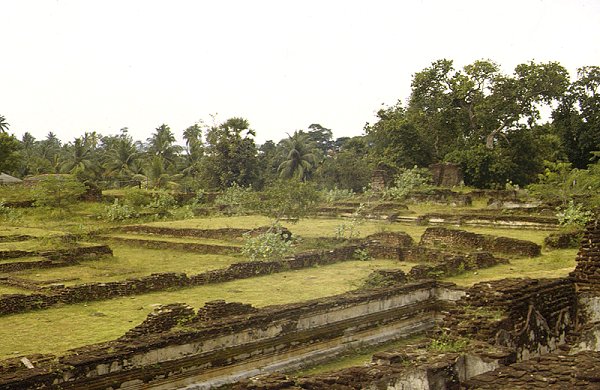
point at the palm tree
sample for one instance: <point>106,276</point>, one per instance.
<point>122,157</point>
<point>162,144</point>
<point>79,160</point>
<point>3,124</point>
<point>300,155</point>
<point>194,151</point>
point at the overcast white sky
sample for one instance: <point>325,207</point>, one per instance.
<point>71,66</point>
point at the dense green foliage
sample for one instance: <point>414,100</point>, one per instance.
<point>523,128</point>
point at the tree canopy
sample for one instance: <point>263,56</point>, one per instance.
<point>500,127</point>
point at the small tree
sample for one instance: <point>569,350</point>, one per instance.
<point>269,245</point>
<point>59,191</point>
<point>289,199</point>
<point>409,180</point>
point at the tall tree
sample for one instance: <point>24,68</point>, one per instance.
<point>9,156</point>
<point>121,156</point>
<point>301,157</point>
<point>577,118</point>
<point>162,144</point>
<point>349,167</point>
<point>79,160</point>
<point>193,153</point>
<point>3,124</point>
<point>396,142</point>
<point>321,136</point>
<point>230,155</point>
<point>50,150</point>
<point>452,113</point>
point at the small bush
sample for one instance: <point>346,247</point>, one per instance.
<point>163,203</point>
<point>9,214</point>
<point>362,254</point>
<point>58,191</point>
<point>574,215</point>
<point>237,200</point>
<point>267,246</point>
<point>119,212</point>
<point>337,194</point>
<point>137,198</point>
<point>350,230</point>
<point>408,180</point>
<point>446,343</point>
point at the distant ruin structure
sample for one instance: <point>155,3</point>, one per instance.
<point>446,174</point>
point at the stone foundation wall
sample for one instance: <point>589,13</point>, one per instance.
<point>211,351</point>
<point>223,233</point>
<point>496,220</point>
<point>460,239</point>
<point>439,196</point>
<point>555,372</point>
<point>53,258</point>
<point>182,246</point>
<point>587,271</point>
<point>530,316</point>
<point>50,296</point>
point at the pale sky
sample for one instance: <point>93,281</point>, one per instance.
<point>71,66</point>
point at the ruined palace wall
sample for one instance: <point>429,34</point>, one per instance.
<point>48,297</point>
<point>254,339</point>
<point>460,239</point>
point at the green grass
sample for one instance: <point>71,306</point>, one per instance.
<point>57,329</point>
<point>29,231</point>
<point>552,264</point>
<point>28,259</point>
<point>358,356</point>
<point>12,290</point>
<point>217,222</point>
<point>427,208</point>
<point>185,240</point>
<point>129,262</point>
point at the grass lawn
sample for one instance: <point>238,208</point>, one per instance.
<point>12,290</point>
<point>129,262</point>
<point>552,264</point>
<point>6,230</point>
<point>57,329</point>
<point>186,240</point>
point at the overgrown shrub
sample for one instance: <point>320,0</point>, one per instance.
<point>58,191</point>
<point>9,214</point>
<point>137,198</point>
<point>119,212</point>
<point>270,245</point>
<point>163,203</point>
<point>574,215</point>
<point>289,199</point>
<point>406,181</point>
<point>237,200</point>
<point>350,230</point>
<point>337,194</point>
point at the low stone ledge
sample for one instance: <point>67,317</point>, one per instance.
<point>508,221</point>
<point>241,332</point>
<point>17,303</point>
<point>218,233</point>
<point>460,239</point>
<point>563,240</point>
<point>554,371</point>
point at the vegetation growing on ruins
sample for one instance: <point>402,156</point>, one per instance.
<point>224,218</point>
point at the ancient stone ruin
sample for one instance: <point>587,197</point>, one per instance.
<point>510,334</point>
<point>446,174</point>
